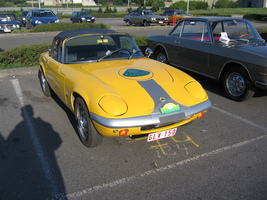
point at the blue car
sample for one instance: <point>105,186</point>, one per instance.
<point>8,22</point>
<point>40,16</point>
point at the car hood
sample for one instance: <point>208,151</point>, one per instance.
<point>45,19</point>
<point>145,85</point>
<point>86,16</point>
<point>10,22</point>
<point>128,73</point>
<point>259,49</point>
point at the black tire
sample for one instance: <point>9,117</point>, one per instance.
<point>146,23</point>
<point>86,130</point>
<point>44,84</point>
<point>237,84</point>
<point>161,56</point>
<point>128,22</point>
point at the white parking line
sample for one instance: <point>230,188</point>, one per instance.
<point>168,167</point>
<point>154,171</point>
<point>47,169</point>
<point>240,118</point>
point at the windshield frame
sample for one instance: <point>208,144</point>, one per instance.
<point>104,55</point>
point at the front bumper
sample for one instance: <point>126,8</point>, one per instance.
<point>7,28</point>
<point>89,20</point>
<point>159,21</point>
<point>148,123</point>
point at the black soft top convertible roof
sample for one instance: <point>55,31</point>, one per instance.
<point>66,34</point>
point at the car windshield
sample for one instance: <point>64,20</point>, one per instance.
<point>100,47</point>
<point>7,17</point>
<point>148,12</point>
<point>235,29</point>
<point>24,13</point>
<point>43,13</point>
<point>83,13</point>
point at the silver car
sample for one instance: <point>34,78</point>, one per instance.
<point>144,17</point>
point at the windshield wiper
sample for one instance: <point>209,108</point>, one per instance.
<point>134,52</point>
<point>108,53</point>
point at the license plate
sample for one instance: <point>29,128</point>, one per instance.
<point>161,135</point>
<point>7,31</point>
<point>160,22</point>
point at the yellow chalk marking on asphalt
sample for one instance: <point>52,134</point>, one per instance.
<point>160,146</point>
<point>188,139</point>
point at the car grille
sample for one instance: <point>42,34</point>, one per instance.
<point>49,22</point>
<point>165,121</point>
<point>9,26</point>
<point>160,19</point>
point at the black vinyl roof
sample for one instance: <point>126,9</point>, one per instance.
<point>66,34</point>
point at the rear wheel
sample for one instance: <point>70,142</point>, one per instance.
<point>161,56</point>
<point>86,130</point>
<point>237,84</point>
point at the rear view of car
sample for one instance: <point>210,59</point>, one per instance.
<point>8,22</point>
<point>40,16</point>
<point>81,16</point>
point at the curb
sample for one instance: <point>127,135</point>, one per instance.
<point>12,73</point>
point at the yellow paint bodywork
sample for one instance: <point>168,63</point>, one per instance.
<point>101,83</point>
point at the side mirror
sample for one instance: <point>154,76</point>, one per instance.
<point>148,52</point>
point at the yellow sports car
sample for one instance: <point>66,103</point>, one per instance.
<point>113,90</point>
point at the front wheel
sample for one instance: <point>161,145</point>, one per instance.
<point>86,130</point>
<point>161,56</point>
<point>128,23</point>
<point>237,84</point>
<point>146,23</point>
<point>44,84</point>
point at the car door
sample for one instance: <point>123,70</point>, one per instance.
<point>191,47</point>
<point>54,62</point>
<point>136,18</point>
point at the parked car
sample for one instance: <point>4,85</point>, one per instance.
<point>221,48</point>
<point>23,18</point>
<point>113,90</point>
<point>81,16</point>
<point>144,17</point>
<point>40,16</point>
<point>179,14</point>
<point>8,22</point>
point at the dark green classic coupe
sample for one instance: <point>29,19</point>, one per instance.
<point>222,48</point>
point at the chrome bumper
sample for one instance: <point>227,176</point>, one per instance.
<point>155,118</point>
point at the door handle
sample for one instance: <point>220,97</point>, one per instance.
<point>175,42</point>
<point>47,61</point>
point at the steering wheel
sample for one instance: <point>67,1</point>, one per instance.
<point>245,35</point>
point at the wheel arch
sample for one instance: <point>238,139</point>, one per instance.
<point>230,64</point>
<point>160,47</point>
<point>74,97</point>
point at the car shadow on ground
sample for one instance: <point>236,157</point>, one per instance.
<point>68,112</point>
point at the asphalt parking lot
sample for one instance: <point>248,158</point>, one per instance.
<point>221,156</point>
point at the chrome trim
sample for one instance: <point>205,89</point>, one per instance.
<point>261,83</point>
<point>155,118</point>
